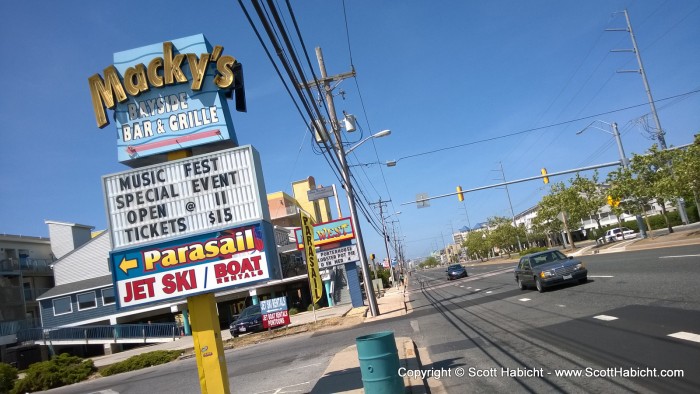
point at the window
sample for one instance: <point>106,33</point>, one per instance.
<point>108,296</point>
<point>61,306</point>
<point>86,301</point>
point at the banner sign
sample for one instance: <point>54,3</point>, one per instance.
<point>328,232</point>
<point>199,264</point>
<point>337,256</point>
<point>184,197</point>
<point>315,283</point>
<point>168,96</point>
<point>274,312</point>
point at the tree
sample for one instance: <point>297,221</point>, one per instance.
<point>629,193</point>
<point>653,172</point>
<point>562,201</point>
<point>593,196</point>
<point>477,245</point>
<point>504,236</point>
<point>430,262</point>
<point>686,167</point>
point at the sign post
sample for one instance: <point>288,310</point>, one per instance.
<point>183,225</point>
<point>315,283</point>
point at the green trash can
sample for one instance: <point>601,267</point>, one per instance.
<point>379,363</point>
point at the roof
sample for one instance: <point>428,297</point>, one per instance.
<point>76,287</point>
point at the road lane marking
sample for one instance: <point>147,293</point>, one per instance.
<point>600,276</point>
<point>469,287</point>
<point>561,306</point>
<point>477,289</point>
<point>489,292</point>
<point>414,326</point>
<point>688,336</point>
<point>605,317</point>
<point>279,390</point>
<point>524,299</point>
<point>680,256</point>
<point>309,365</point>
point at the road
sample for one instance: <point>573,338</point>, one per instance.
<point>484,322</point>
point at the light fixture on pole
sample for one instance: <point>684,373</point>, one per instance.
<point>623,159</point>
<point>380,134</point>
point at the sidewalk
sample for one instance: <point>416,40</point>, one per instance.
<point>186,343</point>
<point>343,373</point>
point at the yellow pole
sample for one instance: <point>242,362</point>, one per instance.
<point>206,333</point>
<point>208,347</point>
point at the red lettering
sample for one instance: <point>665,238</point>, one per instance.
<point>220,270</point>
<point>233,267</point>
<point>256,262</point>
<point>246,266</point>
<point>185,280</point>
<point>168,284</point>
<point>139,289</point>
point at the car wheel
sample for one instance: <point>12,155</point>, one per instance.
<point>583,280</point>
<point>521,285</point>
<point>540,286</point>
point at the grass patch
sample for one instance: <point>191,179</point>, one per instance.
<point>141,361</point>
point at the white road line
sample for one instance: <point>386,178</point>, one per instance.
<point>469,287</point>
<point>561,306</point>
<point>302,367</point>
<point>605,317</point>
<point>688,336</point>
<point>278,390</point>
<point>489,292</point>
<point>461,286</point>
<point>477,289</point>
<point>600,276</point>
<point>678,257</point>
<point>524,299</point>
<point>414,326</point>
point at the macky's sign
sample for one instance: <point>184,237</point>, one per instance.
<point>168,96</point>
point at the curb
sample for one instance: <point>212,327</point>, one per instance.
<point>411,362</point>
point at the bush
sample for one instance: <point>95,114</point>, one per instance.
<point>311,307</point>
<point>533,250</point>
<point>293,311</point>
<point>8,375</point>
<point>141,361</point>
<point>60,371</point>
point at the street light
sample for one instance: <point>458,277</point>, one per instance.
<point>342,158</point>
<point>623,159</point>
<point>380,134</point>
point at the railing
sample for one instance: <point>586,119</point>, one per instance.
<point>140,332</point>
<point>26,265</point>
<point>12,327</point>
<point>32,294</point>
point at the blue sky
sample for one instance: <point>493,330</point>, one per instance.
<point>438,74</point>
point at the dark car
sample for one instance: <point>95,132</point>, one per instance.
<point>250,320</point>
<point>545,269</point>
<point>456,271</point>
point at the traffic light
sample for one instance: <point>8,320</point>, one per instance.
<point>613,203</point>
<point>460,195</point>
<point>545,179</point>
<point>371,256</point>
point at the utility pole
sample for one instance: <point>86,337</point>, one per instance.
<point>345,172</point>
<point>515,226</point>
<point>384,234</point>
<point>659,131</point>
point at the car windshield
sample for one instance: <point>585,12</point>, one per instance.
<point>454,267</point>
<point>547,257</point>
<point>251,310</point>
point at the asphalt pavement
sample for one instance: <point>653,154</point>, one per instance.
<point>484,322</point>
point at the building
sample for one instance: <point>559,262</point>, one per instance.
<point>84,295</point>
<point>25,272</point>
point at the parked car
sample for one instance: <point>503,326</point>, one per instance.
<point>456,271</point>
<point>617,234</point>
<point>250,320</point>
<point>545,269</point>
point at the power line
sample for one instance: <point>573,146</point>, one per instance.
<point>543,127</point>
